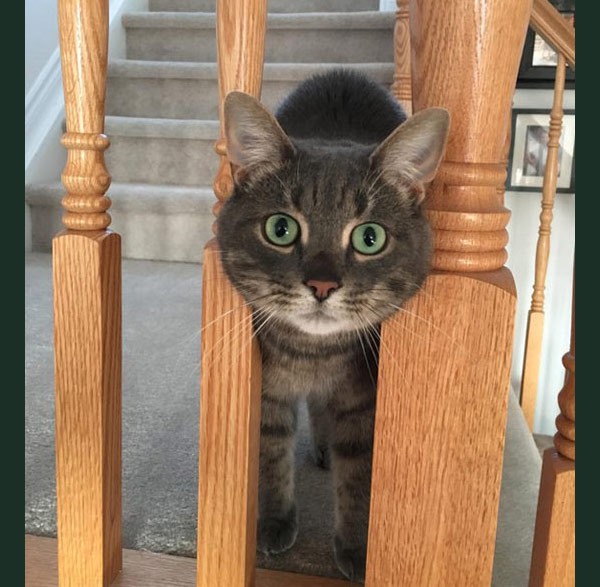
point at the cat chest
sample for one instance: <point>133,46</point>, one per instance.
<point>285,375</point>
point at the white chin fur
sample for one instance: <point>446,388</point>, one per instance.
<point>320,325</point>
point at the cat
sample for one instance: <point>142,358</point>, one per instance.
<point>325,237</point>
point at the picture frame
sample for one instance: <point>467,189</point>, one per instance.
<point>528,151</point>
<point>538,62</point>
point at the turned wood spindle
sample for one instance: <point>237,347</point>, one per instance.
<point>464,203</point>
<point>401,86</point>
<point>535,320</point>
<point>240,53</point>
<point>87,316</point>
<point>85,175</point>
<point>231,363</point>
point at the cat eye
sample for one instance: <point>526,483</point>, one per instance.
<point>369,238</point>
<point>281,230</point>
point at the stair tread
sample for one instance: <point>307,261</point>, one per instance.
<point>137,68</point>
<point>312,20</point>
<point>126,196</point>
<point>273,5</point>
<point>168,128</point>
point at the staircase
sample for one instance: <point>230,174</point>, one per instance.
<point>162,111</point>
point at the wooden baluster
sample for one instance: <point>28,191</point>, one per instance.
<point>87,316</point>
<point>402,87</point>
<point>553,556</point>
<point>445,361</point>
<point>231,363</point>
<point>535,319</point>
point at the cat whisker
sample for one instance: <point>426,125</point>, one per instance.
<point>254,334</point>
<point>247,322</point>
<point>245,304</point>
<point>428,322</point>
<point>243,323</point>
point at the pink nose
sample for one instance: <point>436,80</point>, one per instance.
<point>322,289</point>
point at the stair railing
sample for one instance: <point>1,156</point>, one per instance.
<point>555,30</point>
<point>438,444</point>
<point>553,555</point>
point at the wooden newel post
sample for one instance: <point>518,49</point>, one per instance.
<point>231,363</point>
<point>87,316</point>
<point>445,362</point>
<point>553,556</point>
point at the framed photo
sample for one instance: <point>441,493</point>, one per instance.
<point>538,63</point>
<point>529,151</point>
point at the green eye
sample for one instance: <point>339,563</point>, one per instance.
<point>281,229</point>
<point>369,238</point>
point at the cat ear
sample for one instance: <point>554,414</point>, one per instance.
<point>255,141</point>
<point>412,153</point>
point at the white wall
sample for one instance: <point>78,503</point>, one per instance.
<point>41,37</point>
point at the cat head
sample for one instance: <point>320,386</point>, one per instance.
<point>327,237</point>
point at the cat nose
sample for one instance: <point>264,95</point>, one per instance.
<point>322,289</point>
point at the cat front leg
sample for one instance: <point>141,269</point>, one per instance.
<point>353,414</point>
<point>278,518</point>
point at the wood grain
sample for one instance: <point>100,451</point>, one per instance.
<point>87,360</point>
<point>241,29</point>
<point>146,569</point>
<point>87,316</point>
<point>553,556</point>
<point>229,433</point>
<point>445,364</point>
<point>465,57</point>
<point>439,435</point>
<point>83,27</point>
<point>535,321</point>
<point>231,362</point>
<point>402,86</point>
<point>550,24</point>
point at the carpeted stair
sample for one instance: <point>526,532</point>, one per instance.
<point>162,111</point>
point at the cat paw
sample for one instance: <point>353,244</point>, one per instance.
<point>351,561</point>
<point>321,456</point>
<point>277,534</point>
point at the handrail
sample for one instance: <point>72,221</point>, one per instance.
<point>548,22</point>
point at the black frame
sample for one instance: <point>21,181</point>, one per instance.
<point>540,76</point>
<point>517,188</point>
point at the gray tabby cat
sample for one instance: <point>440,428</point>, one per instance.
<point>324,236</point>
